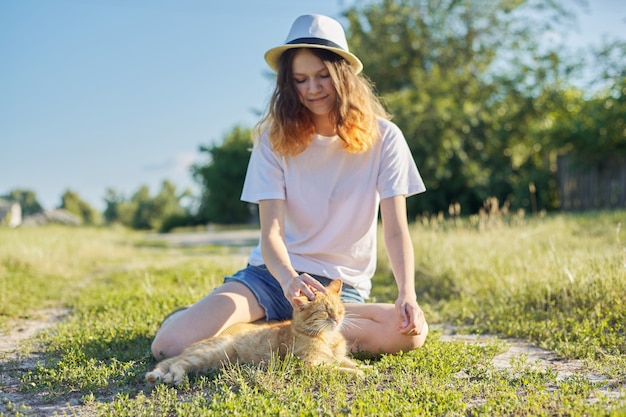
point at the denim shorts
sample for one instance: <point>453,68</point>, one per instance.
<point>269,293</point>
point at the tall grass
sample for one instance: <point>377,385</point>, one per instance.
<point>48,266</point>
<point>558,281</point>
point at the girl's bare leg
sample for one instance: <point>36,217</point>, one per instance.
<point>228,304</point>
<point>373,327</point>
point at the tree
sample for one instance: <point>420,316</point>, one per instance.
<point>144,212</point>
<point>71,202</point>
<point>462,79</point>
<point>222,178</point>
<point>150,213</point>
<point>594,128</point>
<point>167,204</point>
<point>114,207</point>
<point>27,200</point>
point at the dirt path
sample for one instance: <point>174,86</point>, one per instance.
<point>539,358</point>
<point>245,238</point>
<point>14,363</point>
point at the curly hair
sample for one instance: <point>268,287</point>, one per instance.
<point>355,112</point>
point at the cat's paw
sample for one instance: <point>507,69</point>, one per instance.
<point>169,379</point>
<point>159,377</point>
<point>155,377</point>
<point>175,377</point>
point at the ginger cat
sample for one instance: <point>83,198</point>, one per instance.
<point>312,335</point>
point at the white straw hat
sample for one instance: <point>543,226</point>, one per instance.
<point>315,31</point>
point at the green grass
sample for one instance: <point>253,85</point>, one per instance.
<point>557,281</point>
<point>560,282</point>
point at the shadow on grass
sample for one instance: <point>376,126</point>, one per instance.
<point>97,367</point>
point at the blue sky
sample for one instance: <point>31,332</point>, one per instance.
<point>98,94</point>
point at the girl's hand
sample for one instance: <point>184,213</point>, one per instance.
<point>411,316</point>
<point>303,284</point>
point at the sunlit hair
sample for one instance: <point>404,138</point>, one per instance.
<point>355,113</point>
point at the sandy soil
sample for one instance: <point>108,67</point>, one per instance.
<point>14,363</point>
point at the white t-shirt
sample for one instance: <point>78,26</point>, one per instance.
<point>331,200</point>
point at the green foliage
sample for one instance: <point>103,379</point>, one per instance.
<point>594,128</point>
<point>71,202</point>
<point>114,208</point>
<point>176,221</point>
<point>471,86</point>
<point>145,212</point>
<point>222,178</point>
<point>27,199</point>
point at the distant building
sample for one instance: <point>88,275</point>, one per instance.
<point>10,213</point>
<point>58,216</point>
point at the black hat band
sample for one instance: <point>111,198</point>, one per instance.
<point>315,41</point>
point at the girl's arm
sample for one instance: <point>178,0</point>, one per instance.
<point>401,256</point>
<point>275,255</point>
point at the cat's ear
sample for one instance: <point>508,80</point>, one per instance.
<point>299,303</point>
<point>335,286</point>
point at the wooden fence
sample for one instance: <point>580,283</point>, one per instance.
<point>591,188</point>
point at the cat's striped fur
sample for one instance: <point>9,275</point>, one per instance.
<point>313,335</point>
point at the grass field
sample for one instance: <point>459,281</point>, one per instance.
<point>558,281</point>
